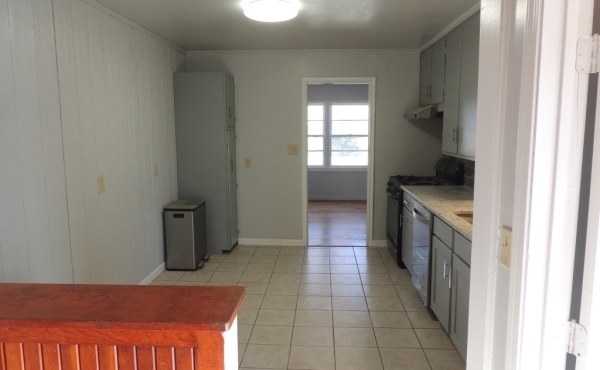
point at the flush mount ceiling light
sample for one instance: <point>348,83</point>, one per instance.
<point>271,10</point>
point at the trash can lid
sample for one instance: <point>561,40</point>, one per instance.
<point>184,205</point>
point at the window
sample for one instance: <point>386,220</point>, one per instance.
<point>338,135</point>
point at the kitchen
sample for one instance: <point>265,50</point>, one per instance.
<point>100,227</point>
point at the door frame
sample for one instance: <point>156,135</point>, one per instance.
<point>304,140</point>
<point>547,177</point>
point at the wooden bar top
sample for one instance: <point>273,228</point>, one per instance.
<point>132,307</point>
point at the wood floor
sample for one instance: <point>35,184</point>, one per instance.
<point>337,223</point>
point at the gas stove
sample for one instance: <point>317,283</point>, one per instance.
<point>449,171</point>
<point>395,182</point>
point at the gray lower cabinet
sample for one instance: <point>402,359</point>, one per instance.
<point>206,151</point>
<point>441,260</point>
<point>450,282</point>
<point>459,324</point>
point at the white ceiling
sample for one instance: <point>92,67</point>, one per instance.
<point>321,24</point>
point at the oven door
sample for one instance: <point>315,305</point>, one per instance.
<point>393,217</point>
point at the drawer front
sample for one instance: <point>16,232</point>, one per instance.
<point>462,247</point>
<point>443,231</point>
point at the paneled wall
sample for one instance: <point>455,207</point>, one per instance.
<point>82,94</point>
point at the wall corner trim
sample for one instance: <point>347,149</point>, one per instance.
<point>148,279</point>
<point>452,25</point>
<point>135,26</point>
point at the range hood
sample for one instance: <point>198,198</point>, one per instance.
<point>424,112</point>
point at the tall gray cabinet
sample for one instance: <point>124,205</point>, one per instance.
<point>206,151</point>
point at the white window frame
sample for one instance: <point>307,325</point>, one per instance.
<point>327,136</point>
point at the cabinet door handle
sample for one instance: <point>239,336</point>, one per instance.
<point>445,265</point>
<point>454,135</point>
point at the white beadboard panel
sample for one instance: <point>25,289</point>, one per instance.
<point>156,64</point>
<point>29,137</point>
<point>82,94</point>
<point>52,143</point>
<point>13,238</point>
<point>123,125</point>
<point>72,145</point>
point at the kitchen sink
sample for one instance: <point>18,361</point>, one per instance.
<point>465,215</point>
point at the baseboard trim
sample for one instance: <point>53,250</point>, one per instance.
<point>334,198</point>
<point>279,242</point>
<point>379,243</point>
<point>150,278</point>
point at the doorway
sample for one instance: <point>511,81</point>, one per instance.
<point>337,136</point>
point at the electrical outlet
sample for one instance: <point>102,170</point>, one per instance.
<point>292,149</point>
<point>155,169</point>
<point>101,186</point>
<point>506,246</point>
<point>248,162</point>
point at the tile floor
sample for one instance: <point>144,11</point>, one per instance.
<point>326,308</point>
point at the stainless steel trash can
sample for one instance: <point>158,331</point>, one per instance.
<point>185,235</point>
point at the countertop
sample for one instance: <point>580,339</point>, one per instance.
<point>443,201</point>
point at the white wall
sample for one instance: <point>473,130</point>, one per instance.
<point>98,101</point>
<point>337,185</point>
<point>269,103</point>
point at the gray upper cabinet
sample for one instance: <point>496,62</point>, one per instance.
<point>438,63</point>
<point>469,73</point>
<point>206,151</point>
<point>459,325</point>
<point>431,79</point>
<point>425,78</point>
<point>460,96</point>
<point>452,97</point>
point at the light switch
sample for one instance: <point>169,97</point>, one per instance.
<point>101,187</point>
<point>155,169</point>
<point>292,149</point>
<point>248,162</point>
<point>506,246</point>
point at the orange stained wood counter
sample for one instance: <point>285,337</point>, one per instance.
<point>124,327</point>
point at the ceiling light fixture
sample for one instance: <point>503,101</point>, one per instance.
<point>271,10</point>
